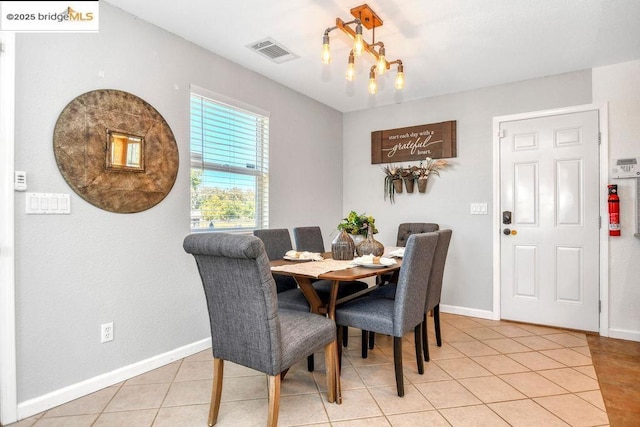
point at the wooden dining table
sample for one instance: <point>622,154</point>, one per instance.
<point>338,278</point>
<point>305,272</point>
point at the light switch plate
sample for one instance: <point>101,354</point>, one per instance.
<point>48,203</point>
<point>20,181</point>
<point>478,208</point>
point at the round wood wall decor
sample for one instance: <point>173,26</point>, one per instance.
<point>116,151</point>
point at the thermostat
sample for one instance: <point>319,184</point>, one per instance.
<point>626,168</point>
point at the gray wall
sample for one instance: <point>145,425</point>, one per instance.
<point>75,272</point>
<point>469,280</point>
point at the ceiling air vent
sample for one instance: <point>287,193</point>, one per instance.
<point>272,50</point>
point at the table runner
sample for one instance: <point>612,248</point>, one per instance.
<point>314,268</point>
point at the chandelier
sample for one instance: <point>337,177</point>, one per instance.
<point>366,17</point>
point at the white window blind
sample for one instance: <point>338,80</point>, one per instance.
<point>229,165</point>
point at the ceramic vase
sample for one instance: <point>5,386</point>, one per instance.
<point>342,247</point>
<point>370,245</point>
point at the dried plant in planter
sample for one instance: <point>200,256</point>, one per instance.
<point>408,176</point>
<point>430,166</point>
<point>393,177</point>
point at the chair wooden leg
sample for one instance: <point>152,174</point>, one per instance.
<point>417,336</point>
<point>310,363</point>
<point>345,337</point>
<point>216,390</point>
<point>397,362</point>
<point>274,400</point>
<point>365,346</point>
<point>372,337</point>
<point>436,322</point>
<point>425,339</point>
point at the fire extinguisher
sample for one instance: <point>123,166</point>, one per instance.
<point>614,211</point>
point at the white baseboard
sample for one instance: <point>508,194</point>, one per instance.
<point>66,394</point>
<point>465,311</point>
<point>624,334</point>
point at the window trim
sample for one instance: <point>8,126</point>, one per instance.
<point>261,209</point>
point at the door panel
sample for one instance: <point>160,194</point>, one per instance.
<point>549,180</point>
<point>526,194</point>
<point>526,260</point>
<point>568,192</point>
<point>568,274</point>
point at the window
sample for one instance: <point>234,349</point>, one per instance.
<point>229,164</point>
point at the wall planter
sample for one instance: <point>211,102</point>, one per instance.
<point>395,176</point>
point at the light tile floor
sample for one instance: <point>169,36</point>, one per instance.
<point>487,373</point>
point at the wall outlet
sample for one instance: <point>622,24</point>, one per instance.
<point>106,332</point>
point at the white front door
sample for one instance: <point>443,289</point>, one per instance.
<point>550,249</point>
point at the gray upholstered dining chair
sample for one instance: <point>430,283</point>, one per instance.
<point>247,327</point>
<point>405,312</point>
<point>405,230</point>
<point>277,241</point>
<point>434,290</point>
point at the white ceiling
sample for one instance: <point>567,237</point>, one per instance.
<point>446,46</point>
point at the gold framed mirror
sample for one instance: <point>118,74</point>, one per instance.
<point>115,151</point>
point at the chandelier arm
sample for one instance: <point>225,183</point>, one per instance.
<point>329,29</point>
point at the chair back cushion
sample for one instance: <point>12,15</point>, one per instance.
<point>308,239</point>
<point>241,298</point>
<point>408,228</point>
<point>276,241</point>
<point>411,290</point>
<point>434,290</point>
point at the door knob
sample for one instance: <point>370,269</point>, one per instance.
<point>506,232</point>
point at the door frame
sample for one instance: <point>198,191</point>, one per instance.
<point>8,378</point>
<point>603,163</point>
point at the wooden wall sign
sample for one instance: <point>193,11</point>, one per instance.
<point>414,143</point>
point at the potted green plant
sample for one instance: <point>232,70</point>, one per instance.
<point>357,224</point>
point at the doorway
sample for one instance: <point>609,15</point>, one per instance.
<point>548,265</point>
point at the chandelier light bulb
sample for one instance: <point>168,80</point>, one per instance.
<point>400,78</point>
<point>373,85</point>
<point>326,51</point>
<point>351,69</point>
<point>358,44</point>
